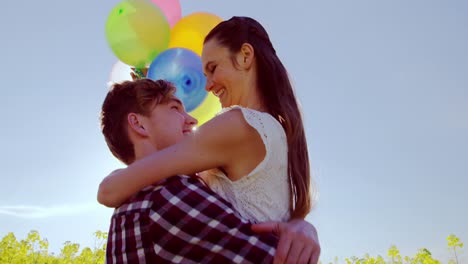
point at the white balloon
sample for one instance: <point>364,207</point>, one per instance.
<point>120,72</point>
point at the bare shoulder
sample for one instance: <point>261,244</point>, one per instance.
<point>234,141</point>
<point>231,125</point>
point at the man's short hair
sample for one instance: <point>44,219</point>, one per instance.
<point>139,96</point>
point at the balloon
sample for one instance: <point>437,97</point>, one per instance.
<point>207,109</point>
<point>183,68</point>
<point>191,30</point>
<point>171,9</point>
<point>137,31</point>
<point>120,72</point>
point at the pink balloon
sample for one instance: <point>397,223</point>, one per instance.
<point>171,9</point>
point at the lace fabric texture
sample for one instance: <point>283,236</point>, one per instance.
<point>263,194</point>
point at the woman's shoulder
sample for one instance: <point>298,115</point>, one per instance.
<point>230,118</point>
<point>250,115</point>
<point>261,121</point>
<point>230,125</point>
<point>239,108</point>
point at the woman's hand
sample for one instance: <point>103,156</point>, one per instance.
<point>103,196</point>
<point>298,241</point>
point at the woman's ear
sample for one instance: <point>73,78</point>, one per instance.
<point>246,56</point>
<point>136,125</point>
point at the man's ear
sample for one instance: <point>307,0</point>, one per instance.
<point>135,124</point>
<point>245,56</point>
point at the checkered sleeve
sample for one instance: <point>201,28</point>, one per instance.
<point>191,224</point>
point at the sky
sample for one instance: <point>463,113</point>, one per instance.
<point>384,92</point>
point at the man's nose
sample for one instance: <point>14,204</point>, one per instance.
<point>190,120</point>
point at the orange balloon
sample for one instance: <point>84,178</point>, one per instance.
<point>190,31</point>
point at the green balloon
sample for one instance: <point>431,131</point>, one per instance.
<point>137,31</point>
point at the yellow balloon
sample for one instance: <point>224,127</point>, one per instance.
<point>190,31</point>
<point>207,109</point>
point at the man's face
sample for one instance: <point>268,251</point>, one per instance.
<point>168,123</point>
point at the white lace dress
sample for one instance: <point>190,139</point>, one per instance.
<point>263,194</point>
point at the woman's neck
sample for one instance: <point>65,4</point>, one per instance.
<point>252,98</point>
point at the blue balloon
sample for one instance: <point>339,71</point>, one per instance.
<point>183,68</point>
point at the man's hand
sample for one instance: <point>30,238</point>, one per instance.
<point>298,241</point>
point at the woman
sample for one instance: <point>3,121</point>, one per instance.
<point>257,143</point>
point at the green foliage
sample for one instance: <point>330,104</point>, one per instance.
<point>394,255</point>
<point>423,256</point>
<point>454,243</point>
<point>35,250</point>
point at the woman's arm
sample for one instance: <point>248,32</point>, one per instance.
<point>214,144</point>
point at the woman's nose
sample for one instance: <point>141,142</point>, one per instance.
<point>209,85</point>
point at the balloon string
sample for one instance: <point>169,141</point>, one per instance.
<point>139,73</point>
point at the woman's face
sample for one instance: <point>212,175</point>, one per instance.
<point>223,79</point>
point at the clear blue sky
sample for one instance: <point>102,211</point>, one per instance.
<point>384,89</point>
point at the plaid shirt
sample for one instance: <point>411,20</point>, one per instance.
<point>183,221</point>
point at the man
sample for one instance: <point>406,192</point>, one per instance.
<point>180,219</point>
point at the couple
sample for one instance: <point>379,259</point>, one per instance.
<point>257,145</point>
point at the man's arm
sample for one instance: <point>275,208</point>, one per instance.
<point>192,223</point>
